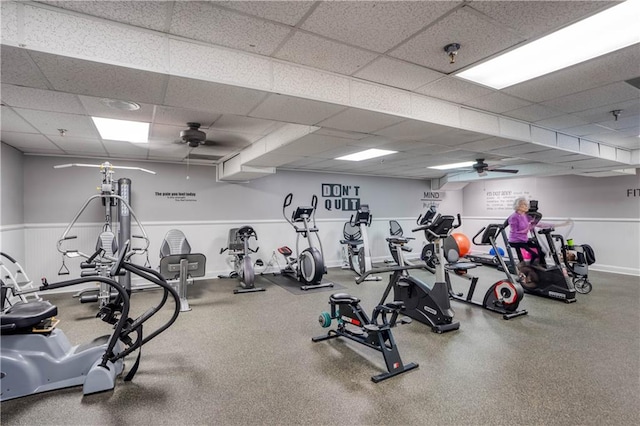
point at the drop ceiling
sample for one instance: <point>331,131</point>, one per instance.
<point>339,76</point>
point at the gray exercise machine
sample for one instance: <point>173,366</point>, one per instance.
<point>179,266</point>
<point>243,265</point>
<point>36,356</point>
<point>114,196</point>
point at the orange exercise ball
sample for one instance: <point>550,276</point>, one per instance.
<point>464,245</point>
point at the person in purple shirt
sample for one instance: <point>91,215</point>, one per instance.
<point>520,223</point>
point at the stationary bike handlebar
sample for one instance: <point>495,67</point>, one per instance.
<point>426,227</point>
<point>373,271</point>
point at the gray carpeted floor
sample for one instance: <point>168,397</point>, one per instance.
<point>248,359</point>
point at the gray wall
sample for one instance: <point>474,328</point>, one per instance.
<point>560,196</point>
<point>205,209</point>
<point>67,189</point>
<point>605,212</point>
<point>11,186</point>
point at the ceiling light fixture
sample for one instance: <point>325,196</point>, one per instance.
<point>605,32</point>
<point>122,130</point>
<point>120,105</point>
<point>453,165</point>
<point>366,155</point>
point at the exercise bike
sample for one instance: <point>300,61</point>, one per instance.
<point>308,265</point>
<point>541,279</point>
<point>36,356</point>
<point>429,305</point>
<point>356,242</point>
<point>503,296</point>
<point>238,247</point>
<point>375,332</point>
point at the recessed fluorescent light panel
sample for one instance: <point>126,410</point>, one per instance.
<point>122,130</point>
<point>453,165</point>
<point>607,31</point>
<point>366,155</point>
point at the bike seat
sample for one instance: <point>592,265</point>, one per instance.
<point>22,317</point>
<point>352,243</point>
<point>343,298</point>
<point>285,251</point>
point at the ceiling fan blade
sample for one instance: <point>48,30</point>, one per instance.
<point>505,171</point>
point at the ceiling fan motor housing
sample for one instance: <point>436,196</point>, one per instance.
<point>193,136</point>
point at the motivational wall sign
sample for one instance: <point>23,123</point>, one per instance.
<point>178,196</point>
<point>503,200</point>
<point>432,198</point>
<point>341,197</point>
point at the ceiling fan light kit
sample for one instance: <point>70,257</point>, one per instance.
<point>193,135</point>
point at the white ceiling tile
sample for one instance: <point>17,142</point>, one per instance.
<point>26,97</point>
<point>380,98</point>
<point>603,114</point>
<point>371,141</point>
<point>147,14</point>
<point>97,107</point>
<point>9,22</point>
<point>454,137</point>
<point>562,122</point>
<point>313,144</point>
<point>358,120</point>
<point>236,123</point>
<point>587,129</point>
<point>432,149</point>
<point>287,12</point>
<point>12,122</point>
<point>619,140</point>
<point>202,21</point>
<point>317,52</point>
<point>534,18</point>
<point>78,146</point>
<point>478,38</point>
<point>116,148</point>
<point>48,123</point>
<point>100,40</point>
<point>545,155</point>
<point>487,144</point>
<point>294,110</point>
<point>17,67</point>
<point>181,116</point>
<point>310,83</point>
<point>100,80</point>
<point>395,73</point>
<point>496,102</point>
<point>27,142</point>
<point>454,90</point>
<point>533,113</point>
<point>213,97</point>
<point>341,134</point>
<point>518,149</point>
<point>593,98</point>
<point>412,130</point>
<point>361,23</point>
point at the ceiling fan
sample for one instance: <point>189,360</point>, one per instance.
<point>194,137</point>
<point>482,168</point>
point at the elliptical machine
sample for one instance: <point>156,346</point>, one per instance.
<point>542,279</point>
<point>37,357</point>
<point>238,247</point>
<point>308,265</point>
<point>503,296</point>
<point>356,242</point>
